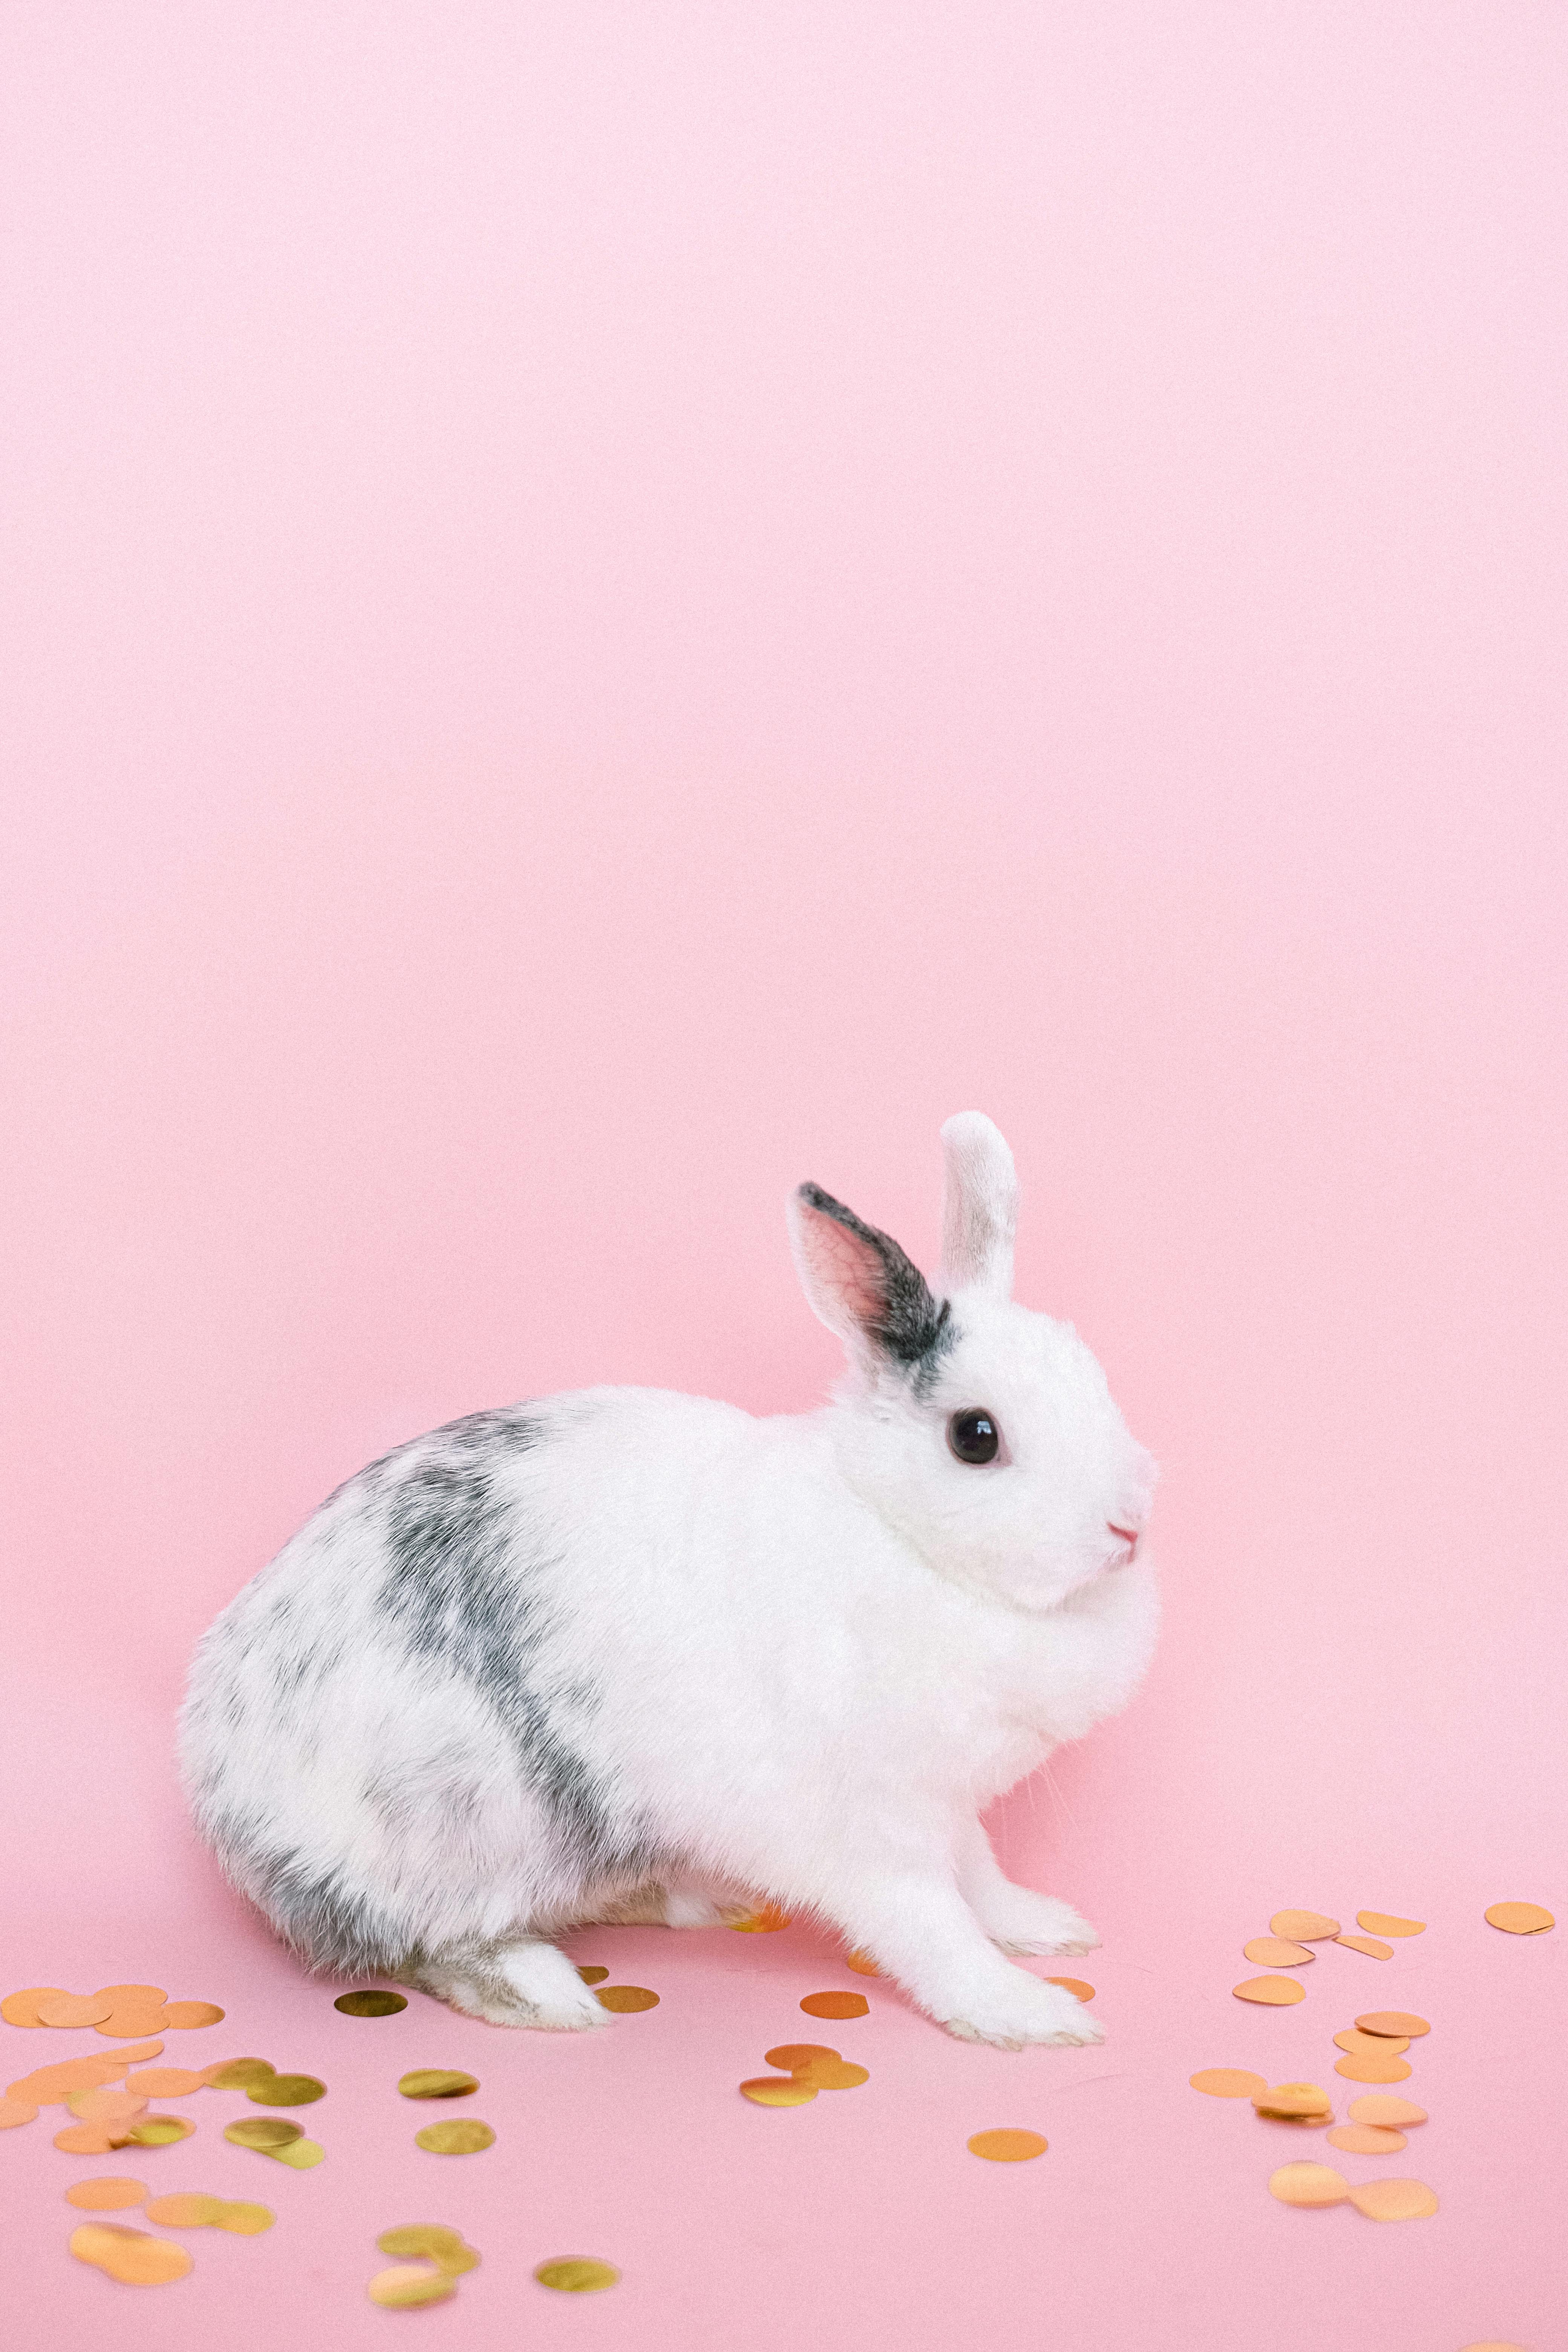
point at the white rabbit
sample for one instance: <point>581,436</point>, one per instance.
<point>623,1655</point>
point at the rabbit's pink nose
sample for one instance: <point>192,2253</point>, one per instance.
<point>1127,1535</point>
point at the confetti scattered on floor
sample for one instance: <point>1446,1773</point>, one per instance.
<point>1521,1918</point>
<point>436,2082</point>
<point>1303,1927</point>
<point>1270,1992</point>
<point>1007,2145</point>
<point>373,2002</point>
<point>835,2004</point>
<point>133,2256</point>
<point>463,2136</point>
<point>1276,1952</point>
<point>1227,2081</point>
<point>576,2274</point>
<point>1388,1923</point>
<point>625,2000</point>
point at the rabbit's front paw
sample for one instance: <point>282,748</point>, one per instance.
<point>1030,2012</point>
<point>1022,1921</point>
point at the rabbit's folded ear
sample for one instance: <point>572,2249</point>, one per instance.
<point>979,1206</point>
<point>860,1281</point>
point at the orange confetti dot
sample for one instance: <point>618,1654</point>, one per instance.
<point>1367,1944</point>
<point>1521,1918</point>
<point>1292,2099</point>
<point>1275,1952</point>
<point>1272,1992</point>
<point>1007,2146</point>
<point>1382,2107</point>
<point>186,2016</point>
<point>1389,1923</point>
<point>14,2112</point>
<point>1367,2139</point>
<point>1359,2069</point>
<point>765,1922</point>
<point>1227,2083</point>
<point>21,2008</point>
<point>1372,2046</point>
<point>627,1998</point>
<point>863,1965</point>
<point>106,2194</point>
<point>73,2009</point>
<point>1074,1985</point>
<point>1386,2023</point>
<point>778,2090</point>
<point>132,2257</point>
<point>1308,2184</point>
<point>1304,1927</point>
<point>1394,2200</point>
<point>835,2004</point>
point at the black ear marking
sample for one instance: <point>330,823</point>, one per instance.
<point>893,1305</point>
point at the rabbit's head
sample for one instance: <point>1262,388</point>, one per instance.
<point>984,1434</point>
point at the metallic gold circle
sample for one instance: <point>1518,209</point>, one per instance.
<point>1369,2068</point>
<point>1391,2022</point>
<point>1521,1918</point>
<point>1304,1927</point>
<point>408,2285</point>
<point>1308,2184</point>
<point>435,2243</point>
<point>238,2073</point>
<point>129,2255</point>
<point>1007,2145</point>
<point>625,1999</point>
<point>1367,2139</point>
<point>576,2274</point>
<point>1389,1923</point>
<point>463,2136</point>
<point>436,2082</point>
<point>373,2001</point>
<point>1273,1992</point>
<point>1394,2200</point>
<point>778,2090</point>
<point>266,2132</point>
<point>299,2155</point>
<point>592,1975</point>
<point>242,2218</point>
<point>159,2131</point>
<point>1227,2083</point>
<point>304,2090</point>
<point>187,2209</point>
<point>105,2194</point>
<point>835,2004</point>
<point>1382,2107</point>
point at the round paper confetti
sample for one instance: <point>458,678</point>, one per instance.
<point>1308,2184</point>
<point>1273,1992</point>
<point>1292,2099</point>
<point>1274,1952</point>
<point>105,2195</point>
<point>238,2073</point>
<point>434,2242</point>
<point>74,2009</point>
<point>1389,1923</point>
<point>1367,2139</point>
<point>187,2209</point>
<point>791,2056</point>
<point>1074,1985</point>
<point>863,1964</point>
<point>106,2106</point>
<point>373,2001</point>
<point>436,2082</point>
<point>1387,2022</point>
<point>299,2155</point>
<point>1006,2146</point>
<point>1367,1944</point>
<point>1304,1927</point>
<point>47,2086</point>
<point>129,2255</point>
<point>1394,2200</point>
<point>161,2131</point>
<point>1372,2046</point>
<point>93,2139</point>
<point>1227,2083</point>
<point>166,2082</point>
<point>21,2008</point>
<point>1369,2068</point>
<point>132,1996</point>
<point>833,2004</point>
<point>832,2074</point>
<point>131,2024</point>
<point>778,2090</point>
<point>1382,2107</point>
<point>265,2132</point>
<point>408,2285</point>
<point>187,2016</point>
<point>1513,1918</point>
<point>304,2090</point>
<point>625,1999</point>
<point>765,1922</point>
<point>464,2135</point>
<point>592,1975</point>
<point>16,2111</point>
<point>576,2274</point>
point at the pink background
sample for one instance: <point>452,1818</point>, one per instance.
<point>612,606</point>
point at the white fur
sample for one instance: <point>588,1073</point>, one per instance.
<point>800,1654</point>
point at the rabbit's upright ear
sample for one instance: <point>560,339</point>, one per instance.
<point>860,1281</point>
<point>979,1206</point>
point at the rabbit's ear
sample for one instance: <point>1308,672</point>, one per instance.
<point>860,1281</point>
<point>979,1206</point>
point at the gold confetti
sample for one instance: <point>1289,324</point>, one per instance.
<point>1372,2046</point>
<point>161,2131</point>
<point>765,1922</point>
<point>106,2194</point>
<point>238,2073</point>
<point>1074,1985</point>
<point>835,2004</point>
<point>625,1999</point>
<point>192,2211</point>
<point>433,2243</point>
<point>166,2082</point>
<point>186,2016</point>
<point>1006,2146</point>
<point>1367,1944</point>
<point>1392,2022</point>
<point>304,2090</point>
<point>1382,2107</point>
<point>408,2285</point>
<point>863,1964</point>
<point>593,1974</point>
<point>21,2008</point>
<point>265,2132</point>
<point>1227,2083</point>
<point>1521,1918</point>
<point>299,2155</point>
<point>1293,2099</point>
<point>74,2009</point>
<point>1394,2200</point>
<point>1304,1927</point>
<point>14,2112</point>
<point>436,2082</point>
<point>1367,2139</point>
<point>1274,1952</point>
<point>778,2090</point>
<point>1273,1992</point>
<point>132,2257</point>
<point>372,2003</point>
<point>464,2135</point>
<point>1370,2069</point>
<point>1389,1923</point>
<point>576,2274</point>
<point>1308,2184</point>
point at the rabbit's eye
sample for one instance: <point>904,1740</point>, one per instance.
<point>974,1437</point>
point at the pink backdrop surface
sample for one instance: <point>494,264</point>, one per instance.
<point>611,607</point>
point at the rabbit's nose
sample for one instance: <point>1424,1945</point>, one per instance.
<point>1129,1536</point>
